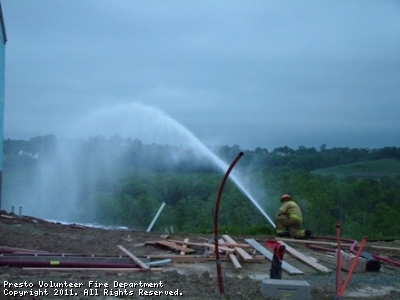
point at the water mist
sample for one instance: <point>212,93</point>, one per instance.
<point>54,191</point>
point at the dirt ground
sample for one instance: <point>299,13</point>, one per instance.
<point>191,280</point>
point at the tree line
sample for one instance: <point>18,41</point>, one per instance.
<point>151,174</point>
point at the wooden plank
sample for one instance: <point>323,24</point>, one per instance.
<point>174,246</point>
<point>311,242</point>
<point>184,258</point>
<point>235,261</point>
<point>6,216</point>
<point>231,256</point>
<point>285,266</point>
<point>141,264</point>
<point>200,258</point>
<point>368,245</point>
<point>382,247</point>
<point>305,259</point>
<point>202,244</point>
<point>221,248</point>
<point>239,250</point>
<point>150,243</point>
<point>186,240</point>
<point>91,269</point>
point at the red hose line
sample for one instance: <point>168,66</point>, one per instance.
<point>353,246</point>
<point>386,259</point>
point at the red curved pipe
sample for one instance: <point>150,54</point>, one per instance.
<point>217,258</point>
<point>353,246</point>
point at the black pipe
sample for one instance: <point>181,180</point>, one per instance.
<point>217,258</point>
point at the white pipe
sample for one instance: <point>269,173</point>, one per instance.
<point>156,217</point>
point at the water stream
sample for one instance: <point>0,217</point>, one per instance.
<point>55,189</point>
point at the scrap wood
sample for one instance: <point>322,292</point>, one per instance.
<point>285,266</point>
<point>91,269</point>
<point>382,247</point>
<point>5,249</point>
<point>174,246</point>
<point>313,258</point>
<point>152,243</point>
<point>238,249</point>
<point>210,241</point>
<point>231,256</point>
<point>200,258</point>
<point>142,265</point>
<point>224,246</point>
<point>312,263</point>
<point>334,244</point>
<point>184,246</point>
<point>235,261</point>
<point>6,216</point>
<point>221,248</point>
<point>311,242</point>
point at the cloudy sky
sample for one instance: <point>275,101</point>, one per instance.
<point>253,73</point>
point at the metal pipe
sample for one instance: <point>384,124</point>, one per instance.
<point>352,267</point>
<point>339,260</point>
<point>217,257</point>
<point>64,264</point>
<point>155,217</point>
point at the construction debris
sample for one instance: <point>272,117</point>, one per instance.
<point>312,263</point>
<point>184,246</point>
<point>141,264</point>
<point>178,251</point>
<point>174,246</point>
<point>237,248</point>
<point>347,260</point>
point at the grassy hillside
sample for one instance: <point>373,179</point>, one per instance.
<point>364,169</point>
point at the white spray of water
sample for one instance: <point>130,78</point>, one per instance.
<point>134,120</point>
<point>197,144</point>
<point>165,127</point>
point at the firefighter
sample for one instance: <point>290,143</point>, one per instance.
<point>289,219</point>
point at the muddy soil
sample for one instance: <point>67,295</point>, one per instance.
<point>181,280</point>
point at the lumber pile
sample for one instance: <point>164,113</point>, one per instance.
<point>176,251</point>
<point>230,250</point>
<point>191,252</point>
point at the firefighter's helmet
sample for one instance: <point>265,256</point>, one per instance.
<point>285,197</point>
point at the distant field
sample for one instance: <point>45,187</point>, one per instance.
<point>365,169</point>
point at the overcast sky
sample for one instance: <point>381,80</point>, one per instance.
<point>252,73</point>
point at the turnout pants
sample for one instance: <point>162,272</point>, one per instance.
<point>293,225</point>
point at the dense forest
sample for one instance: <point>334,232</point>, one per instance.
<point>124,182</point>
